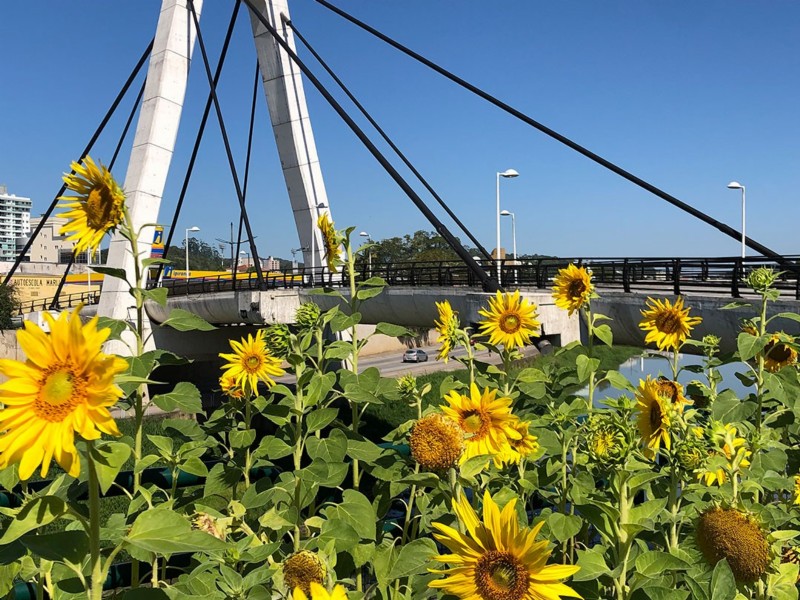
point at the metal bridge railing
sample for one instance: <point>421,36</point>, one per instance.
<point>643,275</point>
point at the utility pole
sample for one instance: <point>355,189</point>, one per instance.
<point>232,242</point>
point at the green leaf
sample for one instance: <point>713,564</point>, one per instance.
<point>604,334</point>
<point>145,594</point>
<point>592,565</point>
<point>242,438</point>
<point>356,510</point>
<point>585,366</point>
<point>723,584</point>
<point>750,345</point>
<point>63,545</point>
<point>116,326</point>
<point>340,533</point>
<point>183,320</point>
<point>413,558</point>
<point>332,449</point>
<point>786,315</point>
<point>109,458</point>
<point>736,304</point>
<point>157,295</point>
<point>562,526</point>
<point>727,408</point>
<point>653,563</point>
<point>165,532</point>
<point>619,381</point>
<point>184,396</point>
<point>320,418</point>
<point>111,272</point>
<point>367,293</point>
<point>34,514</point>
<point>272,448</point>
<point>391,330</point>
<point>194,466</point>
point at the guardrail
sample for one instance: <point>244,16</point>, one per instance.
<point>644,275</point>
<point>64,301</point>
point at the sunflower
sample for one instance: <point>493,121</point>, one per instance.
<point>331,241</point>
<point>572,288</point>
<point>98,207</point>
<point>731,534</point>
<point>436,442</point>
<point>510,320</point>
<point>797,489</point>
<point>520,448</point>
<point>447,326</point>
<point>301,569</point>
<point>730,447</point>
<point>485,419</point>
<point>778,354</point>
<point>63,388</point>
<point>251,362</point>
<point>320,593</point>
<point>673,391</point>
<point>230,386</point>
<point>667,325</point>
<point>653,418</point>
<point>496,559</point>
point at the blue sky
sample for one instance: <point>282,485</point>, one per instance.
<point>686,95</point>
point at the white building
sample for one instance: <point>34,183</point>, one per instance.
<point>15,222</point>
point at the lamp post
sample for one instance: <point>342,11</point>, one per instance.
<point>509,173</point>
<point>369,252</point>
<point>195,228</point>
<point>508,213</point>
<point>320,206</point>
<point>88,269</point>
<point>735,185</point>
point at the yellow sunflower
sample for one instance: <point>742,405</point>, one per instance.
<point>572,288</point>
<point>301,569</point>
<point>797,489</point>
<point>436,442</point>
<point>331,241</point>
<point>63,388</point>
<point>447,326</point>
<point>485,419</point>
<point>653,420</point>
<point>730,449</point>
<point>778,354</point>
<point>96,209</point>
<point>673,391</point>
<point>667,325</point>
<point>251,362</point>
<point>320,593</point>
<point>497,559</point>
<point>510,320</point>
<point>230,387</point>
<point>520,448</point>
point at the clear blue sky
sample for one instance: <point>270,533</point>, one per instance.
<point>687,95</point>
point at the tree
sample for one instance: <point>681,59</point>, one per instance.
<point>9,305</point>
<point>421,246</point>
<point>202,256</point>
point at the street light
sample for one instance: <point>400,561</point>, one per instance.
<point>369,251</point>
<point>320,206</point>
<point>195,228</point>
<point>509,173</point>
<point>735,185</point>
<point>508,213</point>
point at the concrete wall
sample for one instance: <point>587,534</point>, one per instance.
<point>625,310</point>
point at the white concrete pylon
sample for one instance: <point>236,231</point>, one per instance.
<point>291,125</point>
<point>153,145</point>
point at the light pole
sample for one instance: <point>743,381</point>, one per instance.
<point>735,185</point>
<point>88,269</point>
<point>320,206</point>
<point>195,228</point>
<point>507,174</point>
<point>369,251</point>
<point>508,213</point>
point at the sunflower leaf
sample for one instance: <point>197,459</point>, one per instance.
<point>604,334</point>
<point>723,584</point>
<point>183,320</point>
<point>750,345</point>
<point>34,514</point>
<point>111,272</point>
<point>413,558</point>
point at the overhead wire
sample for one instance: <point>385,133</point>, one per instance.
<point>726,229</point>
<point>489,283</point>
<point>388,140</point>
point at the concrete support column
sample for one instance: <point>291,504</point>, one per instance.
<point>291,125</point>
<point>153,146</point>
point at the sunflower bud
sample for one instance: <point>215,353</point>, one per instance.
<point>762,279</point>
<point>276,336</point>
<point>691,454</point>
<point>208,524</point>
<point>407,385</point>
<point>606,443</point>
<point>710,344</point>
<point>733,535</point>
<point>307,315</point>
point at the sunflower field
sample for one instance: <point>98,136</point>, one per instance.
<point>532,484</point>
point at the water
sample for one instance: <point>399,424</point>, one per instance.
<point>638,368</point>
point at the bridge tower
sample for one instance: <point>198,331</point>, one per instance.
<point>157,130</point>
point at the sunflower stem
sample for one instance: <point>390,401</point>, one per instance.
<point>409,508</point>
<point>590,351</point>
<point>248,416</point>
<point>97,579</point>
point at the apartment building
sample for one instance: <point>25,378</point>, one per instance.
<point>15,222</point>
